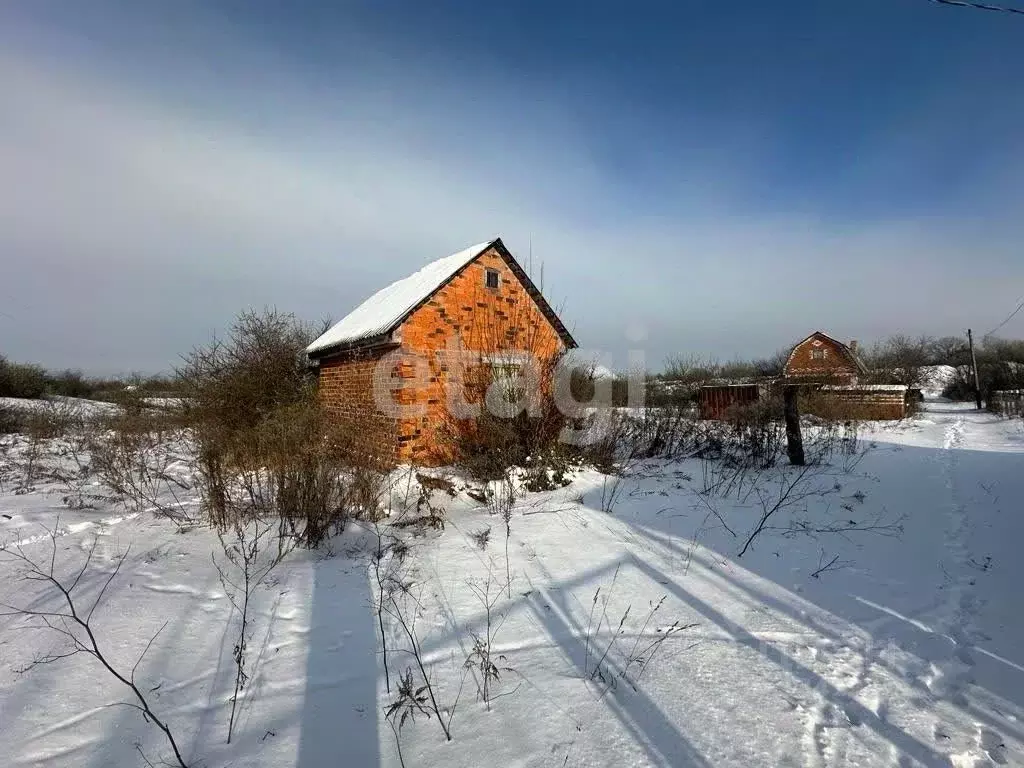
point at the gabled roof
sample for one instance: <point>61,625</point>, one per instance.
<point>389,307</point>
<point>842,347</point>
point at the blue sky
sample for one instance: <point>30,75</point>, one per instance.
<point>694,177</point>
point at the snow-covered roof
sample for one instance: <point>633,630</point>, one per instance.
<point>380,313</point>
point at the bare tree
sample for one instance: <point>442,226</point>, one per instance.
<point>793,489</point>
<point>898,360</point>
<point>74,623</point>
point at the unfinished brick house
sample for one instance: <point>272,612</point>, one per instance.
<point>399,341</point>
<point>820,358</point>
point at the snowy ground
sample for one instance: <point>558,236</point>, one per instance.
<point>910,651</point>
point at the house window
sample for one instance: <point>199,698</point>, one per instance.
<point>491,278</point>
<point>508,385</point>
<point>507,375</point>
<point>818,354</point>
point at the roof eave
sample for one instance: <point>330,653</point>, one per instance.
<point>343,347</point>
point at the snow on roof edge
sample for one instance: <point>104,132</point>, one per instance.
<point>383,310</point>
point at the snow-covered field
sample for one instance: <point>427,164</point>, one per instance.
<point>908,650</point>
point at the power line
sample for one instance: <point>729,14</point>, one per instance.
<point>980,6</point>
<point>1010,317</point>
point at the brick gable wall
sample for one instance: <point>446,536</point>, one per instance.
<point>834,365</point>
<point>485,320</point>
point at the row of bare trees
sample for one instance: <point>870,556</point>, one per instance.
<point>898,359</point>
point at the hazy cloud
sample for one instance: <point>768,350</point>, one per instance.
<point>135,222</point>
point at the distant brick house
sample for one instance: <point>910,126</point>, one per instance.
<point>479,298</point>
<point>833,374</point>
<point>820,358</point>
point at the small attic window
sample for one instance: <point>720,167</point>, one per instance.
<point>818,354</point>
<point>491,278</point>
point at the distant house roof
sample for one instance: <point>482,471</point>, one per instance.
<point>845,349</point>
<point>388,308</point>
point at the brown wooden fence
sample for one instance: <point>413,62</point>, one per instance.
<point>715,401</point>
<point>861,401</point>
<point>1009,402</point>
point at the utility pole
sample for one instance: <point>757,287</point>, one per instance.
<point>974,367</point>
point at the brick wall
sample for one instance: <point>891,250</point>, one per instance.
<point>490,321</point>
<point>820,358</point>
<point>498,320</point>
<point>346,389</point>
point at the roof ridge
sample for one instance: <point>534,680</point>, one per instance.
<point>384,310</point>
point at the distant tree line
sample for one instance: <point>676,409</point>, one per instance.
<point>898,359</point>
<point>34,381</point>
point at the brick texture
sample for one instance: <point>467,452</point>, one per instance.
<point>491,321</point>
<point>346,389</point>
<point>819,358</point>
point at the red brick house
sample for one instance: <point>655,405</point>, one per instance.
<point>820,358</point>
<point>397,345</point>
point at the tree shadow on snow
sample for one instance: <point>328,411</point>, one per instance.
<point>645,722</point>
<point>339,719</point>
<point>942,592</point>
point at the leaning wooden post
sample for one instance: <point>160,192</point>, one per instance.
<point>794,439</point>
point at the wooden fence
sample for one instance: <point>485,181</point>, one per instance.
<point>715,401</point>
<point>1008,402</point>
<point>829,401</point>
<point>860,401</point>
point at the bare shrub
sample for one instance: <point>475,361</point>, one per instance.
<point>250,554</point>
<point>654,432</point>
<point>267,449</point>
<point>232,385</point>
<point>735,453</point>
<point>899,359</point>
<point>73,622</point>
<point>21,380</point>
<point>10,421</point>
<point>69,383</point>
<point>481,660</point>
<point>34,454</point>
<point>294,468</point>
<point>512,374</point>
<point>493,447</point>
<point>420,696</point>
<point>784,506</point>
<point>613,663</point>
<point>142,462</point>
<point>618,440</point>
